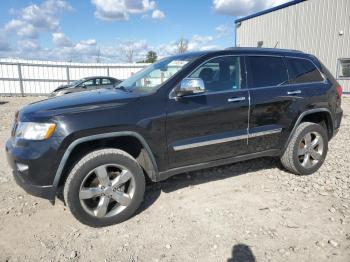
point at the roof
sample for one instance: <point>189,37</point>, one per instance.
<point>93,77</point>
<point>243,51</point>
<point>294,2</point>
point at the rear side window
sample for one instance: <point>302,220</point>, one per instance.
<point>302,71</point>
<point>266,71</point>
<point>106,81</point>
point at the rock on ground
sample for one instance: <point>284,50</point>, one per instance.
<point>248,210</point>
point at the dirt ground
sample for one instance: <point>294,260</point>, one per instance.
<point>250,211</point>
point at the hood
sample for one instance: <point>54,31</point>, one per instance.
<point>75,103</point>
<point>62,87</point>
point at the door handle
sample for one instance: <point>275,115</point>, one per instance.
<point>294,92</point>
<point>236,99</point>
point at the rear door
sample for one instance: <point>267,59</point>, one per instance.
<point>213,125</point>
<point>272,102</point>
<point>307,81</point>
<point>106,83</point>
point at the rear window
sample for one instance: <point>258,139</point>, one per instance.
<point>266,71</point>
<point>302,71</point>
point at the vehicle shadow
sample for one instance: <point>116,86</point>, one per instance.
<point>241,253</point>
<point>154,190</point>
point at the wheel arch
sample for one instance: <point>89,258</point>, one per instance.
<point>146,158</point>
<point>313,115</point>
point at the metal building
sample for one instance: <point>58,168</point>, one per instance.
<point>319,27</point>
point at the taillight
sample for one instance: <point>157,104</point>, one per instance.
<point>339,91</point>
<point>16,116</point>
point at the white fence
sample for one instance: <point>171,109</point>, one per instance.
<point>21,77</point>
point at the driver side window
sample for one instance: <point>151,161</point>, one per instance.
<point>88,83</point>
<point>220,74</point>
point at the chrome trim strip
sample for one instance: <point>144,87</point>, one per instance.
<point>210,142</point>
<point>264,133</point>
<point>227,139</point>
<point>294,92</point>
<point>236,99</point>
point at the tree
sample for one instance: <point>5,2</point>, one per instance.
<point>128,51</point>
<point>151,57</point>
<point>98,56</point>
<point>182,45</point>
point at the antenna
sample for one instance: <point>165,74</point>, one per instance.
<point>276,44</point>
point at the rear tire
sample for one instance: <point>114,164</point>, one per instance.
<point>105,187</point>
<point>306,150</point>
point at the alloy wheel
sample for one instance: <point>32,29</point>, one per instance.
<point>310,149</point>
<point>107,190</point>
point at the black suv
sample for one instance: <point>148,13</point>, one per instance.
<point>183,113</point>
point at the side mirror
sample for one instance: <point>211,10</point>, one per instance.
<point>190,86</point>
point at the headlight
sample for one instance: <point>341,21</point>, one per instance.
<point>34,131</point>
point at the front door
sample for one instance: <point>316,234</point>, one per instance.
<point>212,125</point>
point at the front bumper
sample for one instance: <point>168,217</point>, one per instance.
<point>47,192</point>
<point>32,169</point>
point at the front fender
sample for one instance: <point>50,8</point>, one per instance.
<point>80,140</point>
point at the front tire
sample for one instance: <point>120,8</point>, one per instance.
<point>104,188</point>
<point>306,150</point>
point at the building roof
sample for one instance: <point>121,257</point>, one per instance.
<point>294,2</point>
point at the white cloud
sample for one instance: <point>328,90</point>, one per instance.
<point>61,40</point>
<point>4,43</point>
<point>29,45</point>
<point>244,7</point>
<point>54,6</point>
<point>81,51</point>
<point>114,10</point>
<point>88,42</point>
<point>13,24</point>
<point>34,19</point>
<point>28,31</point>
<point>39,18</point>
<point>223,30</point>
<point>197,42</point>
<point>158,15</point>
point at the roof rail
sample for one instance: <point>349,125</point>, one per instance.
<point>263,49</point>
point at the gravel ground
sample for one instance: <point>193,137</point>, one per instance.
<point>252,210</point>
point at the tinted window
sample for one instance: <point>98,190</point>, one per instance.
<point>266,71</point>
<point>88,83</point>
<point>302,71</point>
<point>220,74</point>
<point>106,81</point>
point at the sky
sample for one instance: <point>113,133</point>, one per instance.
<point>105,30</point>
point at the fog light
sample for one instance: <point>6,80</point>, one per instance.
<point>22,167</point>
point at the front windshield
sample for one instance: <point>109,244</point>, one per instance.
<point>150,78</point>
<point>78,82</point>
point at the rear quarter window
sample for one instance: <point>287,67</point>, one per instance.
<point>302,71</point>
